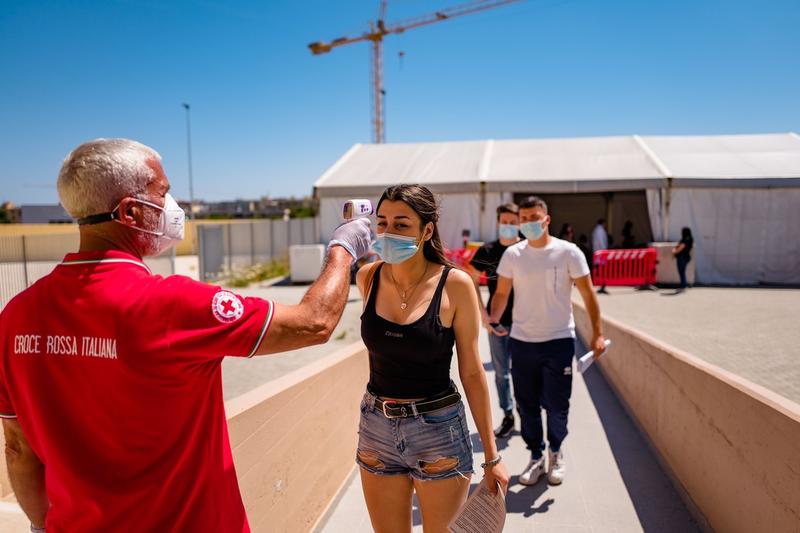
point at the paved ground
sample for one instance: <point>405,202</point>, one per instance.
<point>614,482</point>
<point>746,331</point>
<point>242,375</point>
<point>12,519</point>
<point>750,332</point>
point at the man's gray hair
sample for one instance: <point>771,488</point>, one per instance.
<point>96,175</point>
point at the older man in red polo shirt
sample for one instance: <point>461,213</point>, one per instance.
<point>110,381</point>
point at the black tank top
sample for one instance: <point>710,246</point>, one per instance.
<point>407,360</point>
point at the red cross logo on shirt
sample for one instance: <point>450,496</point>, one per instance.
<point>226,307</point>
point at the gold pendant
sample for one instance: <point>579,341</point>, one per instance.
<point>403,305</point>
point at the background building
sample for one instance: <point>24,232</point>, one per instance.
<point>740,194</point>
<point>9,213</point>
<point>44,214</point>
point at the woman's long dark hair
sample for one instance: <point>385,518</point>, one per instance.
<point>686,233</point>
<point>421,200</point>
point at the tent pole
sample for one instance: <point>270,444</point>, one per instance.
<point>482,200</point>
<point>666,198</point>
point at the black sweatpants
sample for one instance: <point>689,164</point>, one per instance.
<point>542,375</point>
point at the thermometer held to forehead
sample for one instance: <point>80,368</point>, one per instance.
<point>356,209</point>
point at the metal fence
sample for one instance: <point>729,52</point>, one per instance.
<point>24,259</point>
<point>224,248</point>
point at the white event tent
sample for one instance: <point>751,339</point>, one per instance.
<point>740,194</point>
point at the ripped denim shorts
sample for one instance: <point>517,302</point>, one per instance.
<point>427,446</point>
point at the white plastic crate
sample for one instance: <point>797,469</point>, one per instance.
<point>305,262</point>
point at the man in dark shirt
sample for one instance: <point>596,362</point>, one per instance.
<point>683,254</point>
<point>583,244</point>
<point>486,259</point>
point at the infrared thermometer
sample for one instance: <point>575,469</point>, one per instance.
<point>356,209</point>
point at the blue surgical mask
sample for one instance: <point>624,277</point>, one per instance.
<point>394,248</point>
<point>532,230</point>
<point>508,232</point>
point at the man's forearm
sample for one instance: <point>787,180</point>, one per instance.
<point>26,473</point>
<point>593,309</point>
<point>499,302</point>
<point>327,297</point>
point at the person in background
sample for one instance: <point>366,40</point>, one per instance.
<point>628,238</point>
<point>583,244</point>
<point>542,271</point>
<point>600,236</point>
<point>485,260</point>
<point>683,254</point>
<point>599,242</point>
<point>111,377</point>
<point>567,233</point>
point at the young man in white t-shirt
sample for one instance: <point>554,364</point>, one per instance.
<point>542,270</point>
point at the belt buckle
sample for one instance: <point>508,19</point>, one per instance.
<point>387,415</point>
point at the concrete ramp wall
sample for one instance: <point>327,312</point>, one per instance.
<point>732,445</point>
<point>294,440</point>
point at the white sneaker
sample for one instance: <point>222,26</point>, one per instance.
<point>532,472</point>
<point>557,467</point>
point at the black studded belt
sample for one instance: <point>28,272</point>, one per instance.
<point>403,409</point>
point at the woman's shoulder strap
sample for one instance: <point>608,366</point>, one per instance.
<point>371,273</point>
<point>442,280</point>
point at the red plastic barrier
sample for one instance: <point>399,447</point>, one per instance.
<point>461,257</point>
<point>630,267</point>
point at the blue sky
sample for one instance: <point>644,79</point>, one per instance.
<point>268,117</point>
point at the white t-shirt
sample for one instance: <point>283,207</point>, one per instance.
<point>599,238</point>
<point>542,280</point>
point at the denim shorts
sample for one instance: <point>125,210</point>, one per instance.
<point>427,446</point>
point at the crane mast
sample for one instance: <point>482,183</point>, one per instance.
<point>378,29</point>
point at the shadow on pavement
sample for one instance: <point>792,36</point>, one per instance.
<point>523,501</point>
<point>657,503</point>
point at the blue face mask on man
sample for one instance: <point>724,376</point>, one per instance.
<point>394,248</point>
<point>508,232</point>
<point>532,230</point>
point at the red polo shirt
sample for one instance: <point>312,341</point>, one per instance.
<point>114,376</point>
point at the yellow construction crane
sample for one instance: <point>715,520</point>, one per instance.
<point>379,29</point>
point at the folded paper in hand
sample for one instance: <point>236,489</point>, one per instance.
<point>587,359</point>
<point>481,513</point>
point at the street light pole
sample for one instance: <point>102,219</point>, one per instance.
<point>189,151</point>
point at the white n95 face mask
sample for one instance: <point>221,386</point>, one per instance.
<point>170,224</point>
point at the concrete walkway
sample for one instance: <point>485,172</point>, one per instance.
<point>750,332</point>
<point>240,375</point>
<point>614,483</point>
<point>12,519</point>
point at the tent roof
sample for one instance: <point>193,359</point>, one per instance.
<point>450,166</point>
<point>730,160</point>
<point>570,165</point>
<point>555,165</point>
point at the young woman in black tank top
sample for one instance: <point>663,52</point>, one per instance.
<point>413,433</point>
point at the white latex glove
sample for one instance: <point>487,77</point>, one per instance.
<point>354,236</point>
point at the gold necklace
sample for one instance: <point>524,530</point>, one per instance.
<point>402,295</point>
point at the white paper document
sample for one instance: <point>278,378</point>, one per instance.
<point>481,513</point>
<point>587,359</point>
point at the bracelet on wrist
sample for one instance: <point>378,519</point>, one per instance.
<point>35,529</point>
<point>491,463</point>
